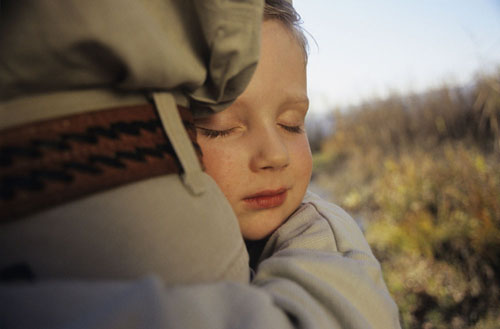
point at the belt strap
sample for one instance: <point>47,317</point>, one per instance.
<point>47,163</point>
<point>172,124</point>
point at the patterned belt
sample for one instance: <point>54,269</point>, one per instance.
<point>47,163</point>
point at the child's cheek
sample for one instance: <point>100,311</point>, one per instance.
<point>302,154</point>
<point>221,164</point>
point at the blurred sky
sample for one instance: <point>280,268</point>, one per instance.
<point>366,48</point>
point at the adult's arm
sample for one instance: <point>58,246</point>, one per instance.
<point>318,272</point>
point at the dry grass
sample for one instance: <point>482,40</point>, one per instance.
<point>423,172</point>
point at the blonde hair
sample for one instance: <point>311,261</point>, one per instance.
<point>284,11</point>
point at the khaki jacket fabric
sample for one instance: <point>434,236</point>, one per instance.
<point>206,49</point>
<point>316,271</point>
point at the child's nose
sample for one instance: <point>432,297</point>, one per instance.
<point>270,153</point>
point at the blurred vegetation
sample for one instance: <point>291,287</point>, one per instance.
<point>421,173</point>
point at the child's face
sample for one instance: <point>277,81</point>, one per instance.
<point>257,150</point>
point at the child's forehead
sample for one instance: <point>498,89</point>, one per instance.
<point>245,108</point>
<point>285,98</point>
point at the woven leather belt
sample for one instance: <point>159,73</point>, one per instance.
<point>47,163</point>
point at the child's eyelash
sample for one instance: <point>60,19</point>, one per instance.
<point>210,133</point>
<point>293,129</point>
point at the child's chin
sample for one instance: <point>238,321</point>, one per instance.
<point>254,235</point>
<point>256,232</point>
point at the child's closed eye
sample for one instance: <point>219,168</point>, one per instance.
<point>212,133</point>
<point>292,129</point>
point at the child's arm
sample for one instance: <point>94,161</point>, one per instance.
<point>319,267</point>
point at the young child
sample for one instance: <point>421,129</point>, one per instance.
<point>258,153</point>
<point>257,149</point>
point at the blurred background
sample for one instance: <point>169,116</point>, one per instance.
<point>404,125</point>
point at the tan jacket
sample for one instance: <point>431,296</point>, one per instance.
<point>206,50</point>
<point>60,58</point>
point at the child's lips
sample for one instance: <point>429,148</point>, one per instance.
<point>267,199</point>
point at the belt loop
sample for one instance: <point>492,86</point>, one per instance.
<point>174,128</point>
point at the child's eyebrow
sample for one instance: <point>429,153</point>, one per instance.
<point>296,100</point>
<point>290,100</point>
